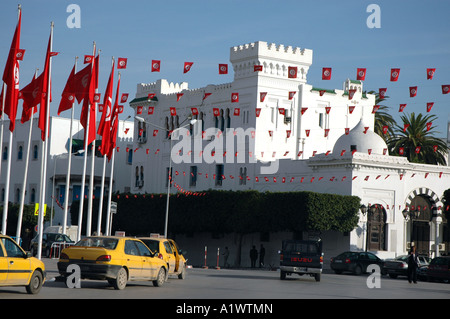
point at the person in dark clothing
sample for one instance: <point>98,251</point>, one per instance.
<point>253,256</point>
<point>262,253</point>
<point>413,264</point>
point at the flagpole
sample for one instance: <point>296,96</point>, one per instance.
<point>8,174</point>
<point>83,181</point>
<point>25,176</point>
<point>69,163</point>
<point>102,188</point>
<point>91,176</point>
<point>45,150</point>
<point>1,150</point>
<point>108,208</point>
<point>8,168</point>
<point>111,175</point>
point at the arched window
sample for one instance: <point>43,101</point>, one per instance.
<point>5,153</point>
<point>376,228</point>
<point>35,152</point>
<point>20,153</point>
<point>137,177</point>
<point>17,195</point>
<point>33,196</point>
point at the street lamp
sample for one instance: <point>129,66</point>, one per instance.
<point>191,122</point>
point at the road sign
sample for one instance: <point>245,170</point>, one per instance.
<point>36,209</point>
<point>113,207</point>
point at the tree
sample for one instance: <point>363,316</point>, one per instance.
<point>417,141</point>
<point>383,118</point>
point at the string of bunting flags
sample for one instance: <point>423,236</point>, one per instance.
<point>361,73</point>
<point>184,192</point>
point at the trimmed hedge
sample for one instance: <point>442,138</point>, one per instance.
<point>231,211</point>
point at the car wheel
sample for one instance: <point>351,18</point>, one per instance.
<point>358,270</point>
<point>161,278</point>
<point>317,277</point>
<point>182,274</point>
<point>282,275</point>
<point>35,284</point>
<point>121,280</point>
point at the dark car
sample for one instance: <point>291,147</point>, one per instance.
<point>302,257</point>
<point>399,266</point>
<point>47,240</point>
<point>354,261</point>
<point>439,269</point>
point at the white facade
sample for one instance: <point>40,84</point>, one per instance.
<point>322,142</point>
<point>58,163</point>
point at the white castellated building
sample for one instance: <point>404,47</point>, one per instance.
<point>270,130</point>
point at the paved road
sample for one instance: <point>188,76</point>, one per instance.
<point>237,284</point>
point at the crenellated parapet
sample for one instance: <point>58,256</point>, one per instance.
<point>275,60</point>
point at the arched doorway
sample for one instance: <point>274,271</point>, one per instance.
<point>376,228</point>
<point>420,214</point>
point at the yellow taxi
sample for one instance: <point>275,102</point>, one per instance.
<point>167,250</point>
<point>18,268</point>
<point>115,259</point>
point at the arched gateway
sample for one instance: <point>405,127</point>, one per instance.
<point>421,205</point>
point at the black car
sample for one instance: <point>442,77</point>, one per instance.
<point>439,269</point>
<point>355,262</point>
<point>47,240</point>
<point>399,266</point>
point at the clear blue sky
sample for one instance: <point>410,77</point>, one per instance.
<point>414,35</point>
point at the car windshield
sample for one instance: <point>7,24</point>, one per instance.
<point>58,237</point>
<point>348,254</point>
<point>302,247</point>
<point>152,244</point>
<point>402,258</point>
<point>103,242</point>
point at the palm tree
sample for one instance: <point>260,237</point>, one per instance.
<point>416,139</point>
<point>383,118</point>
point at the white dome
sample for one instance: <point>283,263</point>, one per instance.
<point>356,138</point>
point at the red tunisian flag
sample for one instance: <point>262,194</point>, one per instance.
<point>104,128</point>
<point>89,103</point>
<point>187,66</point>
<point>11,77</point>
<point>361,74</point>
<point>326,73</point>
<point>45,90</point>
<point>31,98</point>
<point>114,123</point>
<point>68,94</point>
<point>395,74</point>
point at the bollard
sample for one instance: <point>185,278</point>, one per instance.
<point>206,250</point>
<point>218,250</point>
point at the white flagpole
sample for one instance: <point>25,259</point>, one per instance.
<point>8,174</point>
<point>100,205</point>
<point>25,176</point>
<point>69,164</point>
<point>91,177</point>
<point>44,152</point>
<point>102,188</point>
<point>1,150</point>
<point>91,191</point>
<point>108,209</point>
<point>83,177</point>
<point>8,168</point>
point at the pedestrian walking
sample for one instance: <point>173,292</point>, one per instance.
<point>253,256</point>
<point>413,264</point>
<point>226,254</point>
<point>262,253</point>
